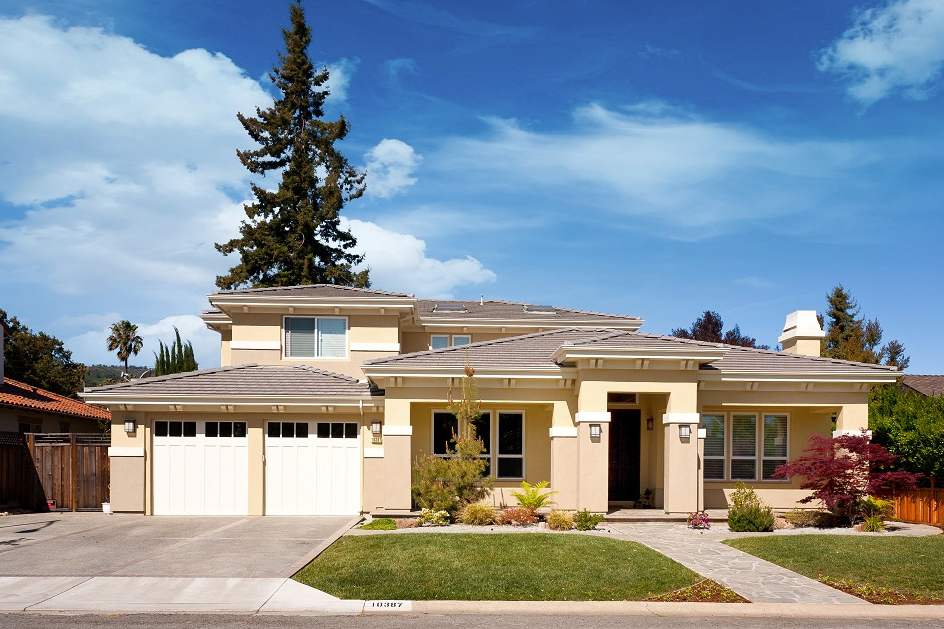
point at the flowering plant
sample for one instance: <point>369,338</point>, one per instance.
<point>699,521</point>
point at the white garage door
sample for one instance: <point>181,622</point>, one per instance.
<point>200,468</point>
<point>313,468</point>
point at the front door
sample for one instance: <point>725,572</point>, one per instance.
<point>624,455</point>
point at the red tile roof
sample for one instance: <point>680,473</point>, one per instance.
<point>18,395</point>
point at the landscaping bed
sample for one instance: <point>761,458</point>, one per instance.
<point>886,570</point>
<point>470,566</point>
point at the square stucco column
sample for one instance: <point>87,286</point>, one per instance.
<point>564,464</point>
<point>682,480</point>
<point>397,476</point>
<point>593,461</point>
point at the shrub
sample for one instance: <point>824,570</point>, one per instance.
<point>478,514</point>
<point>699,520</point>
<point>747,512</point>
<point>808,518</point>
<point>532,497</point>
<point>586,521</point>
<point>843,470</point>
<point>380,524</point>
<point>516,516</point>
<point>873,524</point>
<point>876,507</point>
<point>428,517</point>
<point>560,521</point>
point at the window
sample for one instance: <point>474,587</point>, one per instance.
<point>442,341</point>
<point>713,462</point>
<point>296,430</point>
<point>775,445</point>
<point>507,461</point>
<point>225,429</point>
<point>315,337</point>
<point>30,427</point>
<point>179,429</point>
<point>743,446</point>
<point>336,430</point>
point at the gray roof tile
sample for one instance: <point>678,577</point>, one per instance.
<point>249,380</point>
<point>313,290</point>
<point>925,385</point>
<point>497,309</point>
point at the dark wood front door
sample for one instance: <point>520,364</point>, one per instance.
<point>624,455</point>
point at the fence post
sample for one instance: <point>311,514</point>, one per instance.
<point>73,449</point>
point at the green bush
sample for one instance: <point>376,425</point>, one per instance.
<point>873,524</point>
<point>380,524</point>
<point>560,521</point>
<point>478,514</point>
<point>532,497</point>
<point>873,507</point>
<point>450,483</point>
<point>586,521</point>
<point>747,512</point>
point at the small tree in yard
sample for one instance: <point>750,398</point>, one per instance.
<point>452,482</point>
<point>842,471</point>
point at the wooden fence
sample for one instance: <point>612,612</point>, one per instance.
<point>47,470</point>
<point>920,506</point>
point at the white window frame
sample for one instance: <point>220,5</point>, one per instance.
<point>317,318</point>
<point>732,457</point>
<point>492,455</point>
<point>450,340</point>
<point>724,458</point>
<point>763,456</point>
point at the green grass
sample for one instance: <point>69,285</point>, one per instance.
<point>907,564</point>
<point>380,524</point>
<point>515,567</point>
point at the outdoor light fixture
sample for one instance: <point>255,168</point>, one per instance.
<point>375,427</point>
<point>129,426</point>
<point>595,431</point>
<point>702,433</point>
<point>649,423</point>
<point>685,431</point>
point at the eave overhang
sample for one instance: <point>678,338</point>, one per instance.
<point>567,354</point>
<point>227,302</point>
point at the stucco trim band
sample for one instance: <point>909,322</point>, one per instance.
<point>375,347</point>
<point>127,451</point>
<point>597,417</point>
<point>373,453</point>
<point>255,345</point>
<point>398,431</point>
<point>681,418</point>
<point>563,431</point>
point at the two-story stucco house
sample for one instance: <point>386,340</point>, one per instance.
<point>327,394</point>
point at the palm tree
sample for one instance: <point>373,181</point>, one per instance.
<point>124,338</point>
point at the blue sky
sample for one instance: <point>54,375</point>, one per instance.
<point>654,159</point>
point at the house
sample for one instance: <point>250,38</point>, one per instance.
<point>928,386</point>
<point>25,408</point>
<point>327,394</point>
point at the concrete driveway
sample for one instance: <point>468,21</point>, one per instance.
<point>95,544</point>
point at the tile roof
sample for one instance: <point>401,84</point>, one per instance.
<point>536,350</point>
<point>497,309</point>
<point>19,395</point>
<point>925,385</point>
<point>312,290</point>
<point>249,380</point>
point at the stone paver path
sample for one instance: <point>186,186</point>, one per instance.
<point>756,580</point>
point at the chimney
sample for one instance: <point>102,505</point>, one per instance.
<point>801,333</point>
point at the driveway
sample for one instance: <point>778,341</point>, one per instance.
<point>95,544</point>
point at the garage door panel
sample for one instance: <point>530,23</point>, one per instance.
<point>310,472</point>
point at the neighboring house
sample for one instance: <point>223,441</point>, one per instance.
<point>928,386</point>
<point>327,395</point>
<point>25,408</point>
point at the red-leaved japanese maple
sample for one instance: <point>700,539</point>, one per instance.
<point>843,470</point>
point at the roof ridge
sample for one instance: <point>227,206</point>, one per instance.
<point>823,359</point>
<point>172,376</point>
<point>335,286</point>
<point>36,389</point>
<point>528,303</point>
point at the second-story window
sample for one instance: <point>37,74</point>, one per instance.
<point>439,341</point>
<point>315,337</point>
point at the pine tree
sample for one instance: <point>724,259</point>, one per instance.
<point>851,337</point>
<point>709,327</point>
<point>293,234</point>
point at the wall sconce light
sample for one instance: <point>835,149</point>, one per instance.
<point>685,431</point>
<point>649,423</point>
<point>595,431</point>
<point>129,426</point>
<point>375,431</point>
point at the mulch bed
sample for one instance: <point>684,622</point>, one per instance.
<point>705,591</point>
<point>878,595</point>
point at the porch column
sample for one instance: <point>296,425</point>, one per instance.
<point>682,480</point>
<point>852,419</point>
<point>593,455</point>
<point>397,455</point>
<point>564,456</point>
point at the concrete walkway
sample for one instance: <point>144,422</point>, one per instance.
<point>756,580</point>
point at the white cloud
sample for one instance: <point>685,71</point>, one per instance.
<point>398,262</point>
<point>390,166</point>
<point>897,47</point>
<point>686,176</point>
<point>339,78</point>
<point>91,345</point>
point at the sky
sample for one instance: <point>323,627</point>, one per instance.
<point>656,159</point>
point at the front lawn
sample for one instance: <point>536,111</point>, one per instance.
<point>913,566</point>
<point>524,566</point>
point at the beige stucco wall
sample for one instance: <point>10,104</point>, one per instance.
<point>10,419</point>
